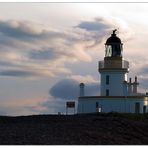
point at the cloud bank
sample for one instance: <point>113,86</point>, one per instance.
<point>35,50</point>
<point>69,89</point>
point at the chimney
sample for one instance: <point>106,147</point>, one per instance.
<point>135,84</point>
<point>130,80</point>
<point>130,86</point>
<point>136,79</point>
<point>82,89</point>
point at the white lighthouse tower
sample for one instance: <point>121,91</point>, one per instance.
<point>113,68</point>
<point>117,93</point>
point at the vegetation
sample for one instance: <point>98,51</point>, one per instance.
<point>92,129</point>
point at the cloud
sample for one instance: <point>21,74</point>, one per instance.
<point>16,29</point>
<point>142,75</point>
<point>53,106</point>
<point>66,89</point>
<point>69,89</point>
<point>28,106</point>
<point>26,30</point>
<point>20,73</point>
<point>101,27</point>
<point>83,79</point>
<point>27,46</point>
<point>43,54</point>
<point>95,25</point>
<point>16,73</point>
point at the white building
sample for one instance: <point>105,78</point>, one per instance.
<point>117,94</point>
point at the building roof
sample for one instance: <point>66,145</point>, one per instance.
<point>114,97</point>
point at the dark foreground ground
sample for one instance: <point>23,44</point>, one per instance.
<point>104,129</point>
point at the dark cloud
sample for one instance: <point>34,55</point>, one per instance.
<point>69,89</point>
<point>99,29</point>
<point>46,54</point>
<point>15,29</point>
<point>23,30</point>
<point>66,89</point>
<point>17,73</point>
<point>95,25</point>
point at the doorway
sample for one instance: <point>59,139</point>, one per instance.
<point>137,107</point>
<point>144,109</point>
<point>98,107</point>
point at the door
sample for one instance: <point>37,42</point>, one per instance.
<point>98,107</point>
<point>144,109</point>
<point>137,107</point>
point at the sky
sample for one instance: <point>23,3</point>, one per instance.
<point>47,49</point>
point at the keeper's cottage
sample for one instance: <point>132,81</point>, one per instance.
<point>117,93</point>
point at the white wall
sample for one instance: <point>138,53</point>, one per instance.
<point>115,86</point>
<point>88,105</point>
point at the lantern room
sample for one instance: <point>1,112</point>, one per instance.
<point>113,46</point>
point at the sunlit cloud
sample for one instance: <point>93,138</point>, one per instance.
<point>84,78</point>
<point>31,50</point>
<point>28,106</point>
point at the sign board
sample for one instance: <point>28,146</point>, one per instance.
<point>70,104</point>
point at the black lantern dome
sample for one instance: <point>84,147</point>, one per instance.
<point>113,46</point>
<point>113,39</point>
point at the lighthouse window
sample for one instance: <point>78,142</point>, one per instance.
<point>107,92</point>
<point>107,79</point>
<point>108,51</point>
<point>97,104</point>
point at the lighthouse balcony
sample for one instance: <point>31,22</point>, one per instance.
<point>113,65</point>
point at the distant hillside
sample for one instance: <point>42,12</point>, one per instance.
<point>92,129</point>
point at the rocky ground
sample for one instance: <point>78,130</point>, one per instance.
<point>94,129</point>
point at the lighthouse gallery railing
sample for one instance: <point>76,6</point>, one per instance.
<point>113,64</point>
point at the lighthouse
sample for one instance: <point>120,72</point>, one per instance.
<point>117,92</point>
<point>113,68</point>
